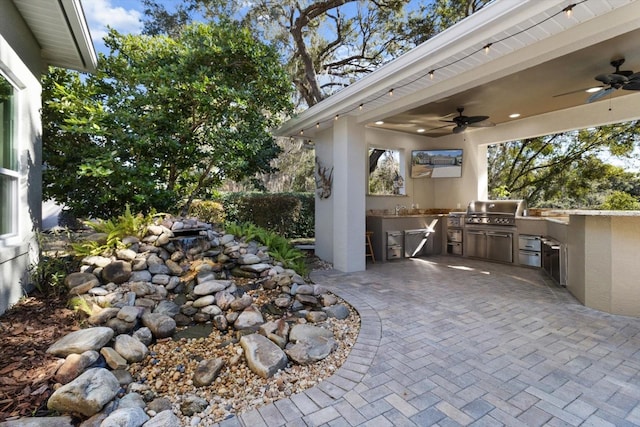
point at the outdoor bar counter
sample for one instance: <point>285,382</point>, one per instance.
<point>604,260</point>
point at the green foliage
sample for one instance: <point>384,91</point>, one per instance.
<point>48,274</point>
<point>207,210</point>
<point>288,214</point>
<point>564,170</point>
<point>279,247</point>
<point>163,120</point>
<point>115,230</point>
<point>619,200</point>
<point>79,304</point>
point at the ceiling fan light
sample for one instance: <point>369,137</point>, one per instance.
<point>421,130</point>
<point>514,115</point>
<point>379,122</point>
<point>594,89</point>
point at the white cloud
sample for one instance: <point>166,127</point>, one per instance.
<point>100,13</point>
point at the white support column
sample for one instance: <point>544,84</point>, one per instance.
<point>349,189</point>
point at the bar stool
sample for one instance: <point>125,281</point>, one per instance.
<point>368,235</point>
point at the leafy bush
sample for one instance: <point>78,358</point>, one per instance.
<point>620,201</point>
<point>279,247</point>
<point>125,225</point>
<point>288,214</point>
<point>207,210</point>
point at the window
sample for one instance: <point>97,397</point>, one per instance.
<point>386,172</point>
<point>8,161</point>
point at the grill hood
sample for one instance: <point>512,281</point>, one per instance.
<point>497,207</point>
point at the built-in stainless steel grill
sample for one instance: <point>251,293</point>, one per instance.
<point>495,212</point>
<point>489,228</point>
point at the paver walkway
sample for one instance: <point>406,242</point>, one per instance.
<point>451,341</point>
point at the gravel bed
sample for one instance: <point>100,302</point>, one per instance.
<point>168,370</point>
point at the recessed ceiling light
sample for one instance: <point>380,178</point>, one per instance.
<point>421,130</point>
<point>379,122</point>
<point>514,115</point>
<point>594,89</point>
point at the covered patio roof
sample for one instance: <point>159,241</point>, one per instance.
<point>62,32</point>
<point>540,61</point>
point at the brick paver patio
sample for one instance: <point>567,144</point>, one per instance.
<point>451,341</point>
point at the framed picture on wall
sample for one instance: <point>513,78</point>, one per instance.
<point>436,163</point>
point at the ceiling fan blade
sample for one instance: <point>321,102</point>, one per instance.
<point>600,94</point>
<point>482,124</point>
<point>459,129</point>
<point>611,79</point>
<point>632,85</point>
<point>584,89</point>
<point>475,119</point>
<point>634,82</point>
<point>439,127</point>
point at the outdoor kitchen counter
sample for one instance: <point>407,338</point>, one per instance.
<point>603,261</point>
<point>383,223</point>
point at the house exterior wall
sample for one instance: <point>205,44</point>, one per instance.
<point>20,63</point>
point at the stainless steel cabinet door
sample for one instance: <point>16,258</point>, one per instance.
<point>475,244</point>
<point>500,246</point>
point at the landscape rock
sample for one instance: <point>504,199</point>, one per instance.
<point>87,394</point>
<point>62,421</point>
<point>207,371</point>
<point>210,287</point>
<point>161,325</point>
<point>81,341</point>
<point>80,283</point>
<point>74,365</point>
<point>192,404</point>
<point>126,417</point>
<point>113,358</point>
<point>116,272</point>
<point>250,318</point>
<point>339,311</point>
<point>131,349</point>
<point>165,418</point>
<point>263,356</point>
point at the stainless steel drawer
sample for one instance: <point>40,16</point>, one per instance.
<point>394,252</point>
<point>529,243</point>
<point>530,258</point>
<point>454,235</point>
<point>454,248</point>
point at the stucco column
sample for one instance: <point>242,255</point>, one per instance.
<point>349,189</point>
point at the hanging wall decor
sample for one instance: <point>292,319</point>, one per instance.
<point>324,180</point>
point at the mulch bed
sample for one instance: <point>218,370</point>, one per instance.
<point>26,370</point>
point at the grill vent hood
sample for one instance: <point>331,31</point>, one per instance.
<point>503,207</point>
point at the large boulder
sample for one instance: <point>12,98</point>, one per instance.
<point>81,341</point>
<point>87,394</point>
<point>263,356</point>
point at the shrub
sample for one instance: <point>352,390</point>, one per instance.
<point>208,211</point>
<point>289,214</point>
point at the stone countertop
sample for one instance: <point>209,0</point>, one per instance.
<point>590,212</point>
<point>393,216</point>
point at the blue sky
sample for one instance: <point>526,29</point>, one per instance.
<point>123,15</point>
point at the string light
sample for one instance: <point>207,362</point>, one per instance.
<point>301,132</point>
<point>569,10</point>
<point>486,48</point>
